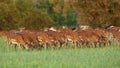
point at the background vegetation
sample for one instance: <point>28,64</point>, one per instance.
<point>37,14</point>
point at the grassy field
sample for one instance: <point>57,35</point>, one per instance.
<point>104,57</point>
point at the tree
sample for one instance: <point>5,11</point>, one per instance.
<point>33,17</point>
<point>22,13</point>
<point>60,11</point>
<point>9,16</point>
<point>100,13</point>
<point>37,20</point>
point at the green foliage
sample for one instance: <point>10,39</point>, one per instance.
<point>22,13</point>
<point>44,5</point>
<point>71,18</point>
<point>37,20</point>
<point>58,18</point>
<point>61,20</point>
<point>9,16</point>
<point>33,18</point>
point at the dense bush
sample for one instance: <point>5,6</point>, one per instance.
<point>9,16</point>
<point>100,13</point>
<point>22,13</point>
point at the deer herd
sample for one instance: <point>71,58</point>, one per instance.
<point>62,37</point>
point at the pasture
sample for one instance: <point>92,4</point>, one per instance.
<point>102,57</point>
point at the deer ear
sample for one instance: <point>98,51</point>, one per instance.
<point>74,29</point>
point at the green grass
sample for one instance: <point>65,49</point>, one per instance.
<point>103,57</point>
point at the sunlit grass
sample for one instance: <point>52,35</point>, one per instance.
<point>103,57</point>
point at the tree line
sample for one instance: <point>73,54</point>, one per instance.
<point>37,14</point>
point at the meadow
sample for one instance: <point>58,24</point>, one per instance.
<point>102,57</point>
